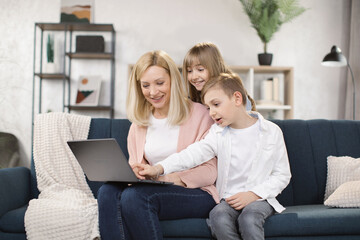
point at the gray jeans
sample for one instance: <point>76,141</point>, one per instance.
<point>226,223</point>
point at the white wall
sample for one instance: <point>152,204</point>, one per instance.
<point>175,26</point>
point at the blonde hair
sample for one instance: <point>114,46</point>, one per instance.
<point>138,109</point>
<point>229,83</point>
<point>209,56</point>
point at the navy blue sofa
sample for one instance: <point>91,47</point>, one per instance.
<point>308,142</point>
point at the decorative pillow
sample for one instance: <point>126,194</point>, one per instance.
<point>341,170</point>
<point>347,195</point>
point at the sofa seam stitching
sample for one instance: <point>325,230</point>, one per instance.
<point>313,160</point>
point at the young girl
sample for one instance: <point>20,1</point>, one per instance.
<point>201,62</point>
<point>253,166</point>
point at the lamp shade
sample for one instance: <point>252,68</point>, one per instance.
<point>335,58</point>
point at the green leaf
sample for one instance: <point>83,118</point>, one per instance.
<point>266,16</point>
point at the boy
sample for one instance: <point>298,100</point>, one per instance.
<point>253,166</point>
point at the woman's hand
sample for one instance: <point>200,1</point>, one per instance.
<point>137,167</point>
<point>152,172</point>
<point>241,200</point>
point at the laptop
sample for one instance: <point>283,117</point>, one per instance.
<point>103,160</point>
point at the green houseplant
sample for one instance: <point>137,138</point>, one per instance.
<point>266,17</point>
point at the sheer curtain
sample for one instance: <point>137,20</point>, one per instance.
<point>354,60</point>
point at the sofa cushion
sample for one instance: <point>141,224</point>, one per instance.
<point>13,221</point>
<point>12,236</point>
<point>341,170</point>
<point>347,195</point>
<point>313,220</point>
<point>301,189</point>
<point>195,228</point>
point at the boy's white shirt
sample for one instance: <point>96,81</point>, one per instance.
<point>270,170</point>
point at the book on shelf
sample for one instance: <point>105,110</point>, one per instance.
<point>88,91</point>
<point>270,92</point>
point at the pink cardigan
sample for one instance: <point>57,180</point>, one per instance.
<point>193,129</point>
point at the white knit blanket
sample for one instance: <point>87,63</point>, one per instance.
<point>66,207</point>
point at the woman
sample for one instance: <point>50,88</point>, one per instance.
<point>164,121</point>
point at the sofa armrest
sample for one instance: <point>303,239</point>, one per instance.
<point>14,188</point>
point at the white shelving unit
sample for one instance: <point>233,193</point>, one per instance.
<point>252,76</point>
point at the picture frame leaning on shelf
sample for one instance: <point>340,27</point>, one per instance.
<point>88,91</point>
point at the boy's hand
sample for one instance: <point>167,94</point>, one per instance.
<point>137,167</point>
<point>150,171</point>
<point>241,200</point>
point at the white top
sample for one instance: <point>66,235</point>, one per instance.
<point>269,172</point>
<point>243,145</point>
<point>161,140</point>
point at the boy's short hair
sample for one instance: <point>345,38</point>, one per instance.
<point>229,83</point>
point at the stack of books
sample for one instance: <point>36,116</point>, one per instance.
<point>270,92</point>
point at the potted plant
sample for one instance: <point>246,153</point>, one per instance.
<point>266,17</point>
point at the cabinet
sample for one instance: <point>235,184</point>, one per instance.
<point>253,76</point>
<point>68,56</point>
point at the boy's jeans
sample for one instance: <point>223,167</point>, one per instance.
<point>227,223</point>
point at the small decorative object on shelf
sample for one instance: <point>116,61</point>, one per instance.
<point>90,44</point>
<point>88,91</point>
<point>52,63</point>
<point>49,64</point>
<point>266,17</point>
<point>50,48</point>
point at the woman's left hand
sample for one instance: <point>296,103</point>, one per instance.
<point>137,167</point>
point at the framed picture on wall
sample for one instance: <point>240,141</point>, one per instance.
<point>88,91</point>
<point>76,11</point>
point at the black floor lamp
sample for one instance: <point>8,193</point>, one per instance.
<point>336,59</point>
